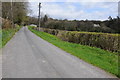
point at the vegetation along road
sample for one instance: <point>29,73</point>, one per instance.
<point>28,56</point>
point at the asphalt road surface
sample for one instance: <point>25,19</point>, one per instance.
<point>28,56</point>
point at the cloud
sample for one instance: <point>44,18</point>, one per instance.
<point>77,10</point>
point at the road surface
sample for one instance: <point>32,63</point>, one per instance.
<point>28,56</point>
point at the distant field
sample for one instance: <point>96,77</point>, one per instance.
<point>96,56</point>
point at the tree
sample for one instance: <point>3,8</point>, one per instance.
<point>6,10</point>
<point>44,20</point>
<point>19,10</point>
<point>110,18</point>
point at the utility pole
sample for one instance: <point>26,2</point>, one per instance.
<point>12,14</point>
<point>39,16</point>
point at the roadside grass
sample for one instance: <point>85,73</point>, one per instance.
<point>7,34</point>
<point>96,56</point>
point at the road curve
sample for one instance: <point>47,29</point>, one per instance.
<point>28,56</point>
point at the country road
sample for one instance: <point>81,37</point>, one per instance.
<point>28,56</point>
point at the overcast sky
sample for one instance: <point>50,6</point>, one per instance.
<point>76,10</point>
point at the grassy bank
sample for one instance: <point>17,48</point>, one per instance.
<point>7,34</point>
<point>96,56</point>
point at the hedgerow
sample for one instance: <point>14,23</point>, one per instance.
<point>104,41</point>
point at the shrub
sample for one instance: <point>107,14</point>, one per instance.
<point>104,41</point>
<point>6,23</point>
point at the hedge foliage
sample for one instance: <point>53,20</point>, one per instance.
<point>104,41</point>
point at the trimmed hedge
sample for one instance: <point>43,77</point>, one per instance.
<point>104,41</point>
<point>100,40</point>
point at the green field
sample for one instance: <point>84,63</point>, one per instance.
<point>7,34</point>
<point>96,56</point>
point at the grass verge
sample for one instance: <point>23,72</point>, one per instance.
<point>7,34</point>
<point>96,56</point>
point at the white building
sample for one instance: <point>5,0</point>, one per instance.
<point>33,25</point>
<point>96,25</point>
